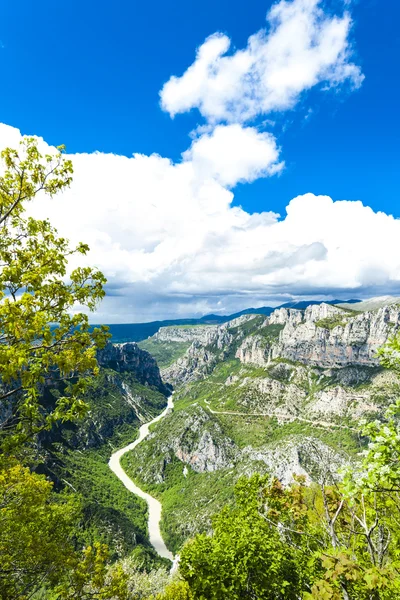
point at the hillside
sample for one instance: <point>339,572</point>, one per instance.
<point>127,392</point>
<point>281,394</point>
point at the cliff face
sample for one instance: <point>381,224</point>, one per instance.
<point>185,334</point>
<point>254,350</point>
<point>212,346</point>
<point>129,358</point>
<point>317,363</point>
<point>329,337</point>
<point>128,391</point>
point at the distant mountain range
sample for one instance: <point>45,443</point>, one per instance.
<point>136,332</point>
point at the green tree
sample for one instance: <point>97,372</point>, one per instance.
<point>37,544</point>
<point>176,590</point>
<point>41,341</point>
<point>245,557</point>
<point>298,541</point>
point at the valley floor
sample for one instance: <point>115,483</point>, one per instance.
<point>154,506</point>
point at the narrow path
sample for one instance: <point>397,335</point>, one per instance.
<point>154,505</point>
<point>325,424</point>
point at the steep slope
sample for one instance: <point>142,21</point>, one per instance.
<point>128,391</point>
<point>282,394</point>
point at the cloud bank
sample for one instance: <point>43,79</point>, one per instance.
<point>172,244</point>
<point>167,235</point>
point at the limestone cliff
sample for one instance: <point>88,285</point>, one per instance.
<point>185,334</point>
<point>130,358</point>
<point>212,346</point>
<point>330,337</point>
<point>317,363</point>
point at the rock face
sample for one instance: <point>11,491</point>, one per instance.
<point>192,436</point>
<point>316,364</point>
<point>321,335</point>
<point>324,336</point>
<point>198,362</point>
<point>209,348</point>
<point>329,337</point>
<point>130,358</point>
<point>202,445</point>
<point>254,351</point>
<point>303,456</point>
<point>201,333</point>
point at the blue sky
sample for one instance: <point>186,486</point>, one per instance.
<point>88,74</point>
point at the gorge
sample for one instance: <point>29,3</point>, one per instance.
<point>284,394</point>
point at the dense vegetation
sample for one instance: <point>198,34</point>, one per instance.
<point>77,457</point>
<point>323,542</point>
<point>165,353</point>
<point>330,323</point>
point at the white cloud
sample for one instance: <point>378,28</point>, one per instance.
<point>171,243</point>
<point>234,153</point>
<point>301,48</point>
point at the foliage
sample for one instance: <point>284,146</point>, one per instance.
<point>244,558</point>
<point>271,332</point>
<point>110,513</point>
<point>330,322</point>
<point>36,544</point>
<point>297,542</point>
<point>247,327</point>
<point>35,295</point>
<point>177,590</point>
<point>165,353</point>
<point>381,465</point>
<point>34,537</point>
<point>143,583</point>
<point>77,455</point>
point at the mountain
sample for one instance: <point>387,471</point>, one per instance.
<point>136,332</point>
<point>302,304</point>
<point>372,303</point>
<point>282,394</point>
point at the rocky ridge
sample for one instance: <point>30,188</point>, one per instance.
<point>330,337</point>
<point>211,347</point>
<point>185,334</point>
<point>322,335</point>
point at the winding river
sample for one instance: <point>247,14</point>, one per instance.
<point>154,505</point>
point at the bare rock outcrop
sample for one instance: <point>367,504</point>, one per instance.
<point>130,358</point>
<point>354,340</point>
<point>182,334</point>
<point>253,350</point>
<point>205,352</point>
